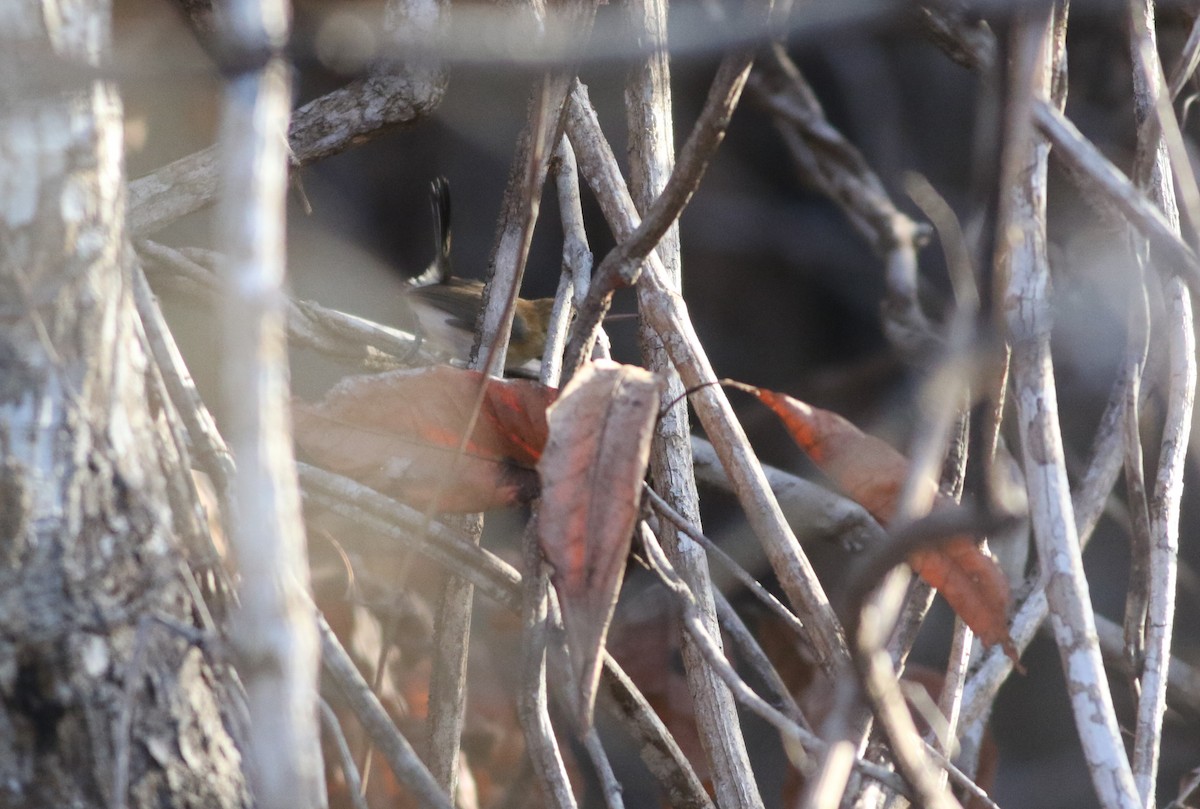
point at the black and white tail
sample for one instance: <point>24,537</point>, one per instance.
<point>438,271</point>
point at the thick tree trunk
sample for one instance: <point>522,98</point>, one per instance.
<point>102,701</point>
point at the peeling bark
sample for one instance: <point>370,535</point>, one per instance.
<point>91,549</point>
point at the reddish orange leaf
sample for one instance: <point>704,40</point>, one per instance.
<point>401,432</point>
<point>591,472</point>
<point>873,473</point>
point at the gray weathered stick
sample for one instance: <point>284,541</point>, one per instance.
<point>1183,684</point>
<point>672,187</point>
<point>665,311</point>
<point>1151,607</point>
<point>1164,544</point>
<point>1137,592</point>
<point>1100,181</point>
<point>368,346</point>
<point>1034,391</point>
<point>1160,140</point>
<point>519,210</point>
<point>1189,57</point>
<point>824,156</point>
<point>576,272</point>
<point>397,524</point>
<point>532,707</point>
<point>610,787</point>
<point>273,632</point>
<point>1088,504</point>
<point>888,704</point>
<point>345,758</point>
<point>807,505</point>
<point>753,655</point>
<point>394,748</point>
<point>323,127</point>
<point>654,185</point>
<point>213,456</point>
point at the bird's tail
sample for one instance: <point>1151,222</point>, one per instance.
<point>438,271</point>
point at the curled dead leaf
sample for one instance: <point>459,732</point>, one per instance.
<point>402,434</point>
<point>591,473</point>
<point>873,473</point>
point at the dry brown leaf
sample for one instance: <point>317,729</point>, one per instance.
<point>873,473</point>
<point>401,433</point>
<point>591,472</point>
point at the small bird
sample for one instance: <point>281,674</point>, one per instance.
<point>447,307</point>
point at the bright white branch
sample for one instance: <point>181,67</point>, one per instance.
<point>1159,145</point>
<point>1164,539</point>
<point>274,634</point>
<point>1027,306</point>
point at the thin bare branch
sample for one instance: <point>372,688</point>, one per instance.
<point>1160,142</point>
<point>532,708</point>
<point>321,128</point>
<point>661,188</point>
<point>368,346</point>
<point>792,731</point>
<point>658,748</point>
<point>1151,603</point>
<point>132,677</point>
<point>576,273</point>
<point>1189,58</point>
<point>208,448</point>
<point>621,266</point>
<point>577,255</point>
<point>1100,181</point>
<point>887,701</point>
<point>345,758</point>
<point>824,156</point>
<point>895,619</point>
<point>1138,592</point>
<point>664,309</point>
<point>518,214</point>
<point>714,657</point>
<point>448,681</point>
<point>610,787</point>
<point>950,700</point>
<point>1152,172</point>
<point>950,380</point>
<point>840,732</point>
<point>875,594</point>
<point>395,749</point>
<point>741,574</point>
<point>514,232</point>
<point>1023,218</point>
<point>811,507</point>
<point>390,524</point>
<point>752,655</point>
<point>908,623</point>
<point>273,633</point>
<point>1164,544</point>
<point>1183,684</point>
